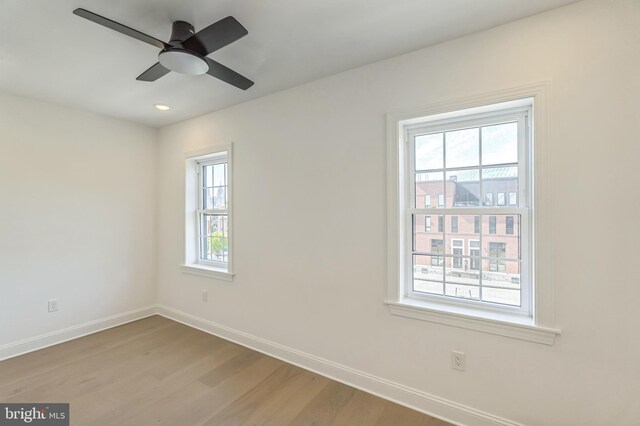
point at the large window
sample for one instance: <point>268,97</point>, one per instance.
<point>464,162</point>
<point>208,217</point>
<point>478,157</point>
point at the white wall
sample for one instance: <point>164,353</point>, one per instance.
<point>310,219</point>
<point>77,221</point>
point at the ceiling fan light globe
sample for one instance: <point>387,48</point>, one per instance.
<point>183,61</point>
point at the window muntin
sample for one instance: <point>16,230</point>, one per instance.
<point>212,214</point>
<point>481,159</point>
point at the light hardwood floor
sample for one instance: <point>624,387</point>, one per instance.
<point>157,371</point>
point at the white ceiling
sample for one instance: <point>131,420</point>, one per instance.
<point>50,54</point>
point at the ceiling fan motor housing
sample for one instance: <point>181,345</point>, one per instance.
<point>180,60</point>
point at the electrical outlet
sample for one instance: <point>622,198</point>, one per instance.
<point>458,360</point>
<point>205,295</point>
<point>53,305</point>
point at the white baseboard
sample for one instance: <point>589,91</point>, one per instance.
<point>421,401</point>
<point>55,337</point>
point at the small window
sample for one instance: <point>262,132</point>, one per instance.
<point>501,199</point>
<point>441,200</point>
<point>208,191</point>
<point>497,254</point>
<point>437,247</point>
<point>474,253</point>
<point>476,224</point>
<point>513,198</point>
<point>454,224</point>
<point>427,224</point>
<point>440,224</point>
<point>509,225</point>
<point>492,224</point>
<point>457,249</point>
<point>488,199</point>
<point>427,201</point>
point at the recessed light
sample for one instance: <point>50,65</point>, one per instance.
<point>162,107</point>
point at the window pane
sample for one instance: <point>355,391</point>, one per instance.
<point>428,187</point>
<point>215,198</point>
<point>500,144</point>
<point>429,152</point>
<point>499,181</point>
<point>501,282</point>
<point>220,175</point>
<point>427,278</point>
<point>207,176</point>
<point>461,281</point>
<point>214,237</point>
<point>496,241</point>
<point>463,188</point>
<point>462,148</point>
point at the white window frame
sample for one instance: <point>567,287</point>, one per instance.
<point>192,263</point>
<point>200,211</point>
<point>519,114</point>
<point>537,322</point>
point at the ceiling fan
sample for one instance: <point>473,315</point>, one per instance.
<point>186,52</point>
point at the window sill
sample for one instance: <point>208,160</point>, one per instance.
<point>501,325</point>
<point>207,272</point>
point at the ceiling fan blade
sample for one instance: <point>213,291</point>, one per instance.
<point>119,27</point>
<point>215,36</point>
<point>228,75</point>
<point>153,73</point>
